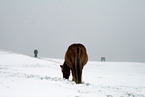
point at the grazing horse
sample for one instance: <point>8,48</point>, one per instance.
<point>75,58</point>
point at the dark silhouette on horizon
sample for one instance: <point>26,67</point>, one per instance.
<point>35,53</point>
<point>103,59</point>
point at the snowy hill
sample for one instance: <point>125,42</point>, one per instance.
<point>25,76</point>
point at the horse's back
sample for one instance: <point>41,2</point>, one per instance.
<point>76,50</point>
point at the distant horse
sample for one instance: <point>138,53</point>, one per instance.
<point>75,58</point>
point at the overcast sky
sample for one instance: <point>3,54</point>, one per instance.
<point>114,29</point>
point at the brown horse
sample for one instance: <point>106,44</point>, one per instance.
<point>75,58</point>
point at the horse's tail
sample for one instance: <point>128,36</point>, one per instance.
<point>78,67</point>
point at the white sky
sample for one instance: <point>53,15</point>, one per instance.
<point>114,29</point>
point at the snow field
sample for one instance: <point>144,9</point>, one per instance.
<point>25,76</point>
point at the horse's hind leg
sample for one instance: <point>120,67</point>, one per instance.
<point>72,75</point>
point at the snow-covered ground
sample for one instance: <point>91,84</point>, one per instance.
<point>25,76</point>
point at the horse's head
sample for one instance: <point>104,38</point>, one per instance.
<point>65,70</point>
